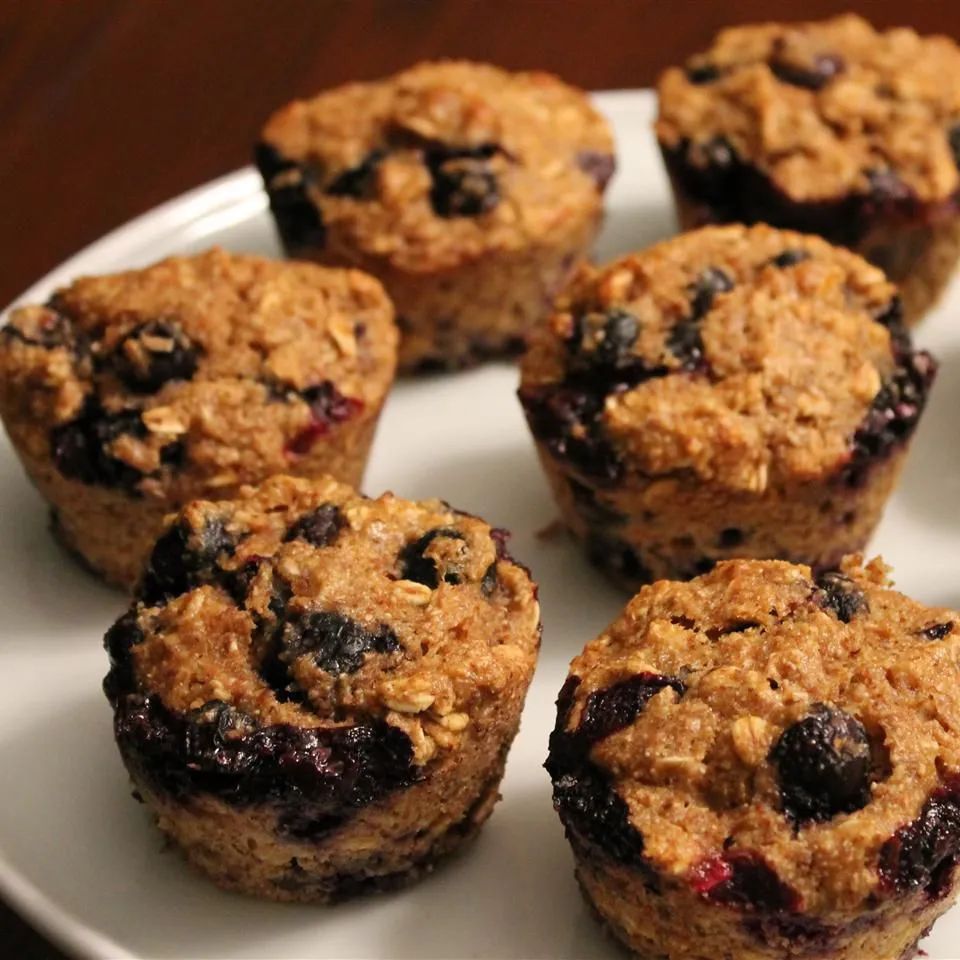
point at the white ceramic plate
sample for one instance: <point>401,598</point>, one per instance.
<point>80,858</point>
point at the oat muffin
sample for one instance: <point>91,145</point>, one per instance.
<point>128,395</point>
<point>760,764</point>
<point>315,692</point>
<point>733,392</point>
<point>469,191</point>
<point>831,128</point>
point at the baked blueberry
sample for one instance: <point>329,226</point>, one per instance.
<point>611,709</point>
<point>813,76</point>
<point>131,394</point>
<point>923,854</point>
<point>701,73</point>
<point>601,347</point>
<point>789,258</point>
<point>823,765</point>
<point>938,630</point>
<point>297,217</point>
<point>185,557</point>
<point>81,447</point>
<point>358,182</point>
<point>840,595</point>
<point>335,643</point>
<point>742,879</point>
<point>464,185</point>
<point>151,355</point>
<point>416,565</point>
<point>281,697</point>
<point>599,165</point>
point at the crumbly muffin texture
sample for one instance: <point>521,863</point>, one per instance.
<point>470,191</point>
<point>137,391</point>
<point>824,109</point>
<point>774,744</point>
<point>298,656</point>
<point>773,335</point>
<point>723,379</point>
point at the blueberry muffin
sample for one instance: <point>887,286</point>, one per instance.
<point>469,191</point>
<point>732,392</point>
<point>831,128</point>
<point>315,692</point>
<point>128,395</point>
<point>761,763</point>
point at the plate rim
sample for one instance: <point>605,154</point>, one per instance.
<point>222,194</point>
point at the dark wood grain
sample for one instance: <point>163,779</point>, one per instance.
<point>110,107</point>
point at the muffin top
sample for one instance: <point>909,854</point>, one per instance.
<point>824,109</point>
<point>742,357</point>
<point>304,613</point>
<point>771,740</point>
<point>198,372</point>
<point>436,165</point>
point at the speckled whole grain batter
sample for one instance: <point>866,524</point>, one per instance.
<point>736,391</point>
<point>315,692</point>
<point>829,127</point>
<point>128,395</point>
<point>469,191</point>
<point>761,763</point>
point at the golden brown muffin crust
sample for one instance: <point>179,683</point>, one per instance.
<point>453,649</point>
<point>791,355</point>
<point>823,107</point>
<point>544,134</point>
<point>757,646</point>
<point>259,333</point>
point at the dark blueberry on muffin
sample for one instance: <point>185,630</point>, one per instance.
<point>823,763</point>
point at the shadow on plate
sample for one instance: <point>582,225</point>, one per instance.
<point>502,485</point>
<point>519,871</point>
<point>930,483</point>
<point>45,591</point>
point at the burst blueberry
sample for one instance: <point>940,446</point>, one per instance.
<point>415,565</point>
<point>319,527</point>
<point>184,558</point>
<point>335,643</point>
<point>81,447</point>
<point>840,596</point>
<point>463,182</point>
<point>153,354</point>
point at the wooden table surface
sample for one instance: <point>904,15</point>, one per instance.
<point>108,107</point>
